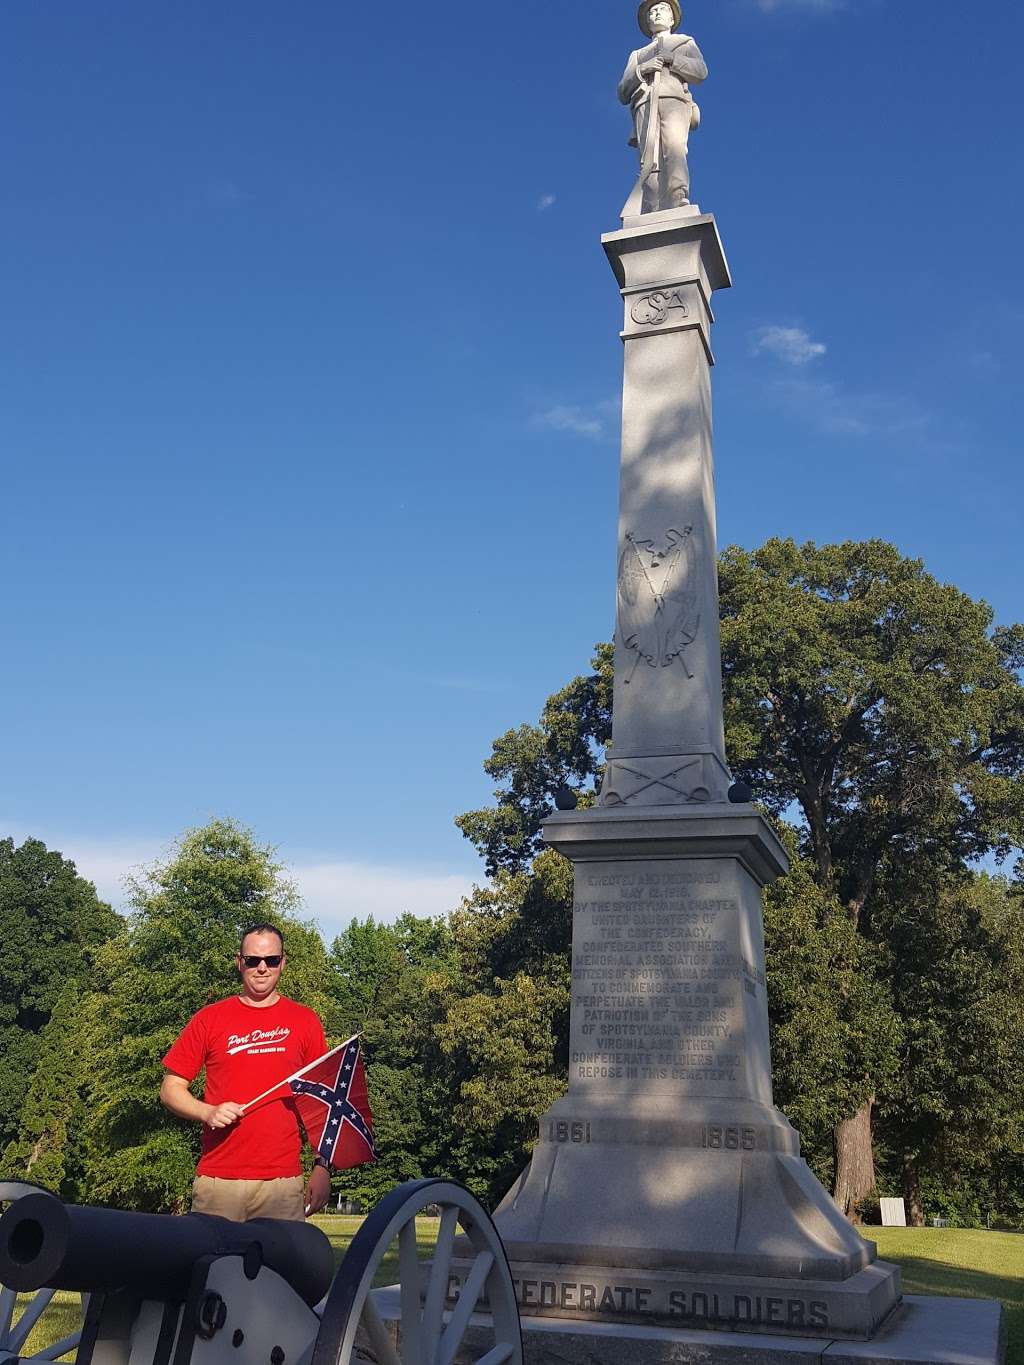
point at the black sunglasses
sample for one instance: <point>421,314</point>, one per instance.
<point>271,959</point>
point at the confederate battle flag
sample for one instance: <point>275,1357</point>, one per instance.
<point>330,1095</point>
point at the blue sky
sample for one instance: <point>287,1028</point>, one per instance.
<point>309,370</point>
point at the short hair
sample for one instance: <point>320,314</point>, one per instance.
<point>262,927</point>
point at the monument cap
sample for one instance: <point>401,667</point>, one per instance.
<point>646,5</point>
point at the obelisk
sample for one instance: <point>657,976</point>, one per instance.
<point>665,1187</point>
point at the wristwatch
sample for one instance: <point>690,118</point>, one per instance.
<point>322,1161</point>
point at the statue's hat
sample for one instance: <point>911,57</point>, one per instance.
<point>645,6</point>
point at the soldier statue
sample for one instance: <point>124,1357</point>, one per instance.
<point>656,86</point>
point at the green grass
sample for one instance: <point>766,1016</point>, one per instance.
<point>62,1317</point>
<point>340,1229</point>
<point>967,1263</point>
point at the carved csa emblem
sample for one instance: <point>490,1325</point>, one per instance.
<point>651,310</point>
<point>657,599</point>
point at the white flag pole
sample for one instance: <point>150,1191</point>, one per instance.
<point>301,1072</point>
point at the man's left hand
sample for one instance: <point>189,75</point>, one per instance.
<point>318,1191</point>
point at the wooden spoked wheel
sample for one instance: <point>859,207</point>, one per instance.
<point>429,1332</point>
<point>40,1310</point>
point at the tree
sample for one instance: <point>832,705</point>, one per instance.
<point>565,750</point>
<point>887,709</point>
<point>835,1032</point>
<point>51,922</point>
<point>956,1102</point>
<point>502,1022</point>
<point>381,985</point>
<point>175,955</point>
<point>46,1149</point>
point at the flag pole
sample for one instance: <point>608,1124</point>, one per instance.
<point>301,1072</point>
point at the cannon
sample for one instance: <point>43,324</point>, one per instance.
<point>197,1290</point>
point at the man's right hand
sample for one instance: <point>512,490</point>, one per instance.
<point>223,1115</point>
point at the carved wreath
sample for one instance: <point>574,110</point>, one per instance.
<point>657,599</point>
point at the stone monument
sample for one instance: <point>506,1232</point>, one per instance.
<point>665,1186</point>
<point>666,1194</point>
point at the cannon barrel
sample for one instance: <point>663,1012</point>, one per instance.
<point>44,1242</point>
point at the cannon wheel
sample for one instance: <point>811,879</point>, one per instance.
<point>425,1336</point>
<point>13,1335</point>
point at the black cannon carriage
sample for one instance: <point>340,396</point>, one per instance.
<point>199,1290</point>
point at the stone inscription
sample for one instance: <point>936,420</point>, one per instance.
<point>656,986</point>
<point>604,1298</point>
<point>710,1137</point>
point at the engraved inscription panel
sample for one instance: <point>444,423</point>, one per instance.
<point>683,1303</point>
<point>659,978</point>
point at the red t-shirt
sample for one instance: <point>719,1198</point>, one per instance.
<point>246,1050</point>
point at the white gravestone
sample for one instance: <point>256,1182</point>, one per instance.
<point>894,1213</point>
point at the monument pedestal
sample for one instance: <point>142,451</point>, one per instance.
<point>922,1331</point>
<point>666,1187</point>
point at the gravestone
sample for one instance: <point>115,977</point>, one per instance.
<point>894,1213</point>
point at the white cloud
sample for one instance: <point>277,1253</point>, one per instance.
<point>594,422</point>
<point>333,890</point>
<point>545,202</point>
<point>826,404</point>
<point>336,892</point>
<point>791,345</point>
<point>836,411</point>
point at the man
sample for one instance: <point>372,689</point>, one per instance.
<point>656,86</point>
<point>250,1165</point>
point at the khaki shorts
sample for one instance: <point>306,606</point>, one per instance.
<point>241,1200</point>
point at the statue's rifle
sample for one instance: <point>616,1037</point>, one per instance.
<point>652,138</point>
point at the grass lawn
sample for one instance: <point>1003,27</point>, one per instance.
<point>967,1263</point>
<point>61,1318</point>
<point>340,1229</point>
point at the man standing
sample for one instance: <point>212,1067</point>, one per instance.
<point>656,86</point>
<point>250,1165</point>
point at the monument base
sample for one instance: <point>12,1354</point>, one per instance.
<point>854,1309</point>
<point>666,1188</point>
<point>924,1330</point>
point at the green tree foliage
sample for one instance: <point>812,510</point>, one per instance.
<point>503,1021</point>
<point>834,1029</point>
<point>176,954</point>
<point>888,710</point>
<point>382,984</point>
<point>47,1149</point>
<point>880,701</point>
<point>51,921</point>
<point>532,762</point>
<point>955,1106</point>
